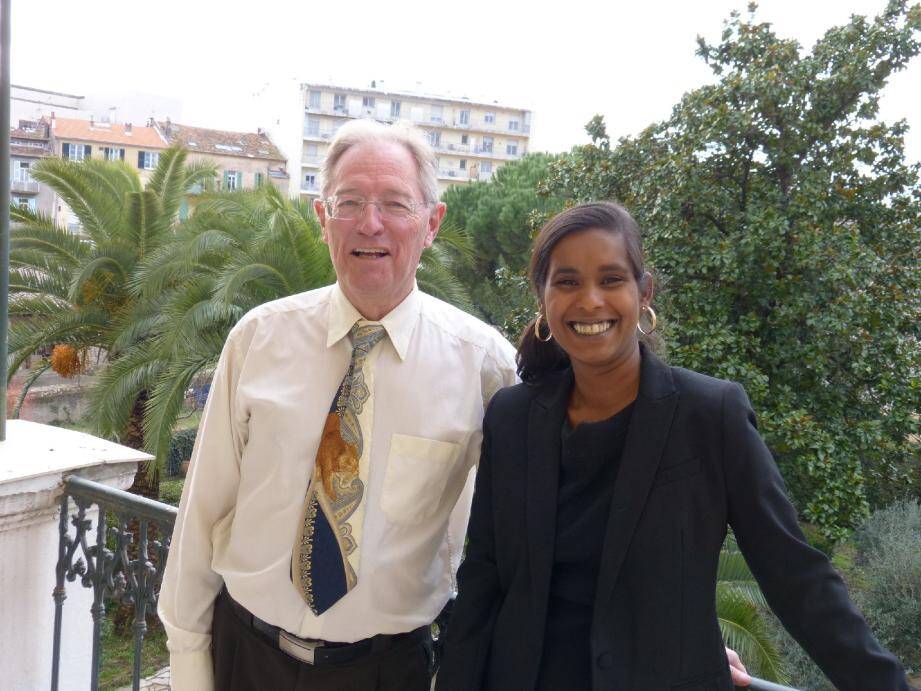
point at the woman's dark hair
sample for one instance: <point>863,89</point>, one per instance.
<point>535,357</point>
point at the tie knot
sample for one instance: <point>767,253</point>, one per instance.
<point>366,336</point>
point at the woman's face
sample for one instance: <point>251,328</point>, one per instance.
<point>591,299</point>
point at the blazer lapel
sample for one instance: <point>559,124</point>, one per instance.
<point>646,438</point>
<point>545,424</point>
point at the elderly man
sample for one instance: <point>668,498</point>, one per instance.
<point>323,517</point>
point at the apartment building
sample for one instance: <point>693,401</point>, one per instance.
<point>243,159</point>
<point>471,139</point>
<point>78,140</point>
<point>30,142</point>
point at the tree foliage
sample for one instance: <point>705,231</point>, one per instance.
<point>500,217</point>
<point>784,227</point>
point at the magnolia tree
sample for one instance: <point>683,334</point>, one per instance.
<point>784,227</point>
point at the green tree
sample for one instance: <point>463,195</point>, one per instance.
<point>500,217</point>
<point>784,226</point>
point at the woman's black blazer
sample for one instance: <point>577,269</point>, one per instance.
<point>693,463</point>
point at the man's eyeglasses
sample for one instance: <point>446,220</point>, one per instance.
<point>350,208</point>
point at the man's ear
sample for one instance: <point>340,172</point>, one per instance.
<point>319,208</point>
<point>434,223</point>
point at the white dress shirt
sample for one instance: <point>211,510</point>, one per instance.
<point>280,368</point>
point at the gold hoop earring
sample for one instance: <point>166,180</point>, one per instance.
<point>537,329</point>
<point>652,317</point>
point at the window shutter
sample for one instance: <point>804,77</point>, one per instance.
<point>226,181</point>
<point>65,150</point>
<point>140,159</point>
<point>239,180</point>
<point>122,153</point>
<point>87,150</point>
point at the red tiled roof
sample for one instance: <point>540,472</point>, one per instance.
<point>104,133</point>
<point>221,142</point>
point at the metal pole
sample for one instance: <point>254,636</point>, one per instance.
<point>4,201</point>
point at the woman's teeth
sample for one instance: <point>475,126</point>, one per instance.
<point>591,329</point>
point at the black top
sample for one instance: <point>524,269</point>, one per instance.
<point>589,460</point>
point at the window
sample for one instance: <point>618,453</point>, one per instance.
<point>465,139</point>
<point>147,160</point>
<point>513,124</point>
<point>312,127</point>
<point>25,203</point>
<point>464,118</point>
<point>395,109</point>
<point>367,102</point>
<point>313,99</point>
<point>257,179</point>
<point>339,105</point>
<point>489,118</point>
<point>233,180</point>
<point>487,144</point>
<point>75,152</point>
<point>463,164</point>
<point>21,171</point>
<point>436,114</point>
<point>486,167</point>
<point>113,153</point>
<point>511,149</point>
<point>435,138</point>
<point>310,181</point>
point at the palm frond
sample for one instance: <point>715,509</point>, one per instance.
<point>745,632</point>
<point>37,370</point>
<point>165,401</point>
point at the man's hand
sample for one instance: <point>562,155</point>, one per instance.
<point>737,669</point>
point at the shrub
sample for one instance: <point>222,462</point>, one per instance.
<point>180,449</point>
<point>889,562</point>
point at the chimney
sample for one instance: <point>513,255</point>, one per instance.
<point>127,128</point>
<point>91,121</point>
<point>53,124</point>
<point>260,131</point>
<point>169,126</point>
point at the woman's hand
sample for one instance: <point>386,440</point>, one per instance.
<point>737,669</point>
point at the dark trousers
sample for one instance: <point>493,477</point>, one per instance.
<point>246,660</point>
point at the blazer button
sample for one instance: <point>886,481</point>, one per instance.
<point>605,661</point>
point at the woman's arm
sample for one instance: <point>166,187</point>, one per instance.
<point>470,628</point>
<point>800,584</point>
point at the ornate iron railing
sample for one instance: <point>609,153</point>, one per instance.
<point>108,567</point>
<point>103,558</point>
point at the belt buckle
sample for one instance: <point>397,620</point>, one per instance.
<point>298,648</point>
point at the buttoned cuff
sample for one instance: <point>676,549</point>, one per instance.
<point>192,671</point>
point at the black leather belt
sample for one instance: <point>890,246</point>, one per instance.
<point>316,652</point>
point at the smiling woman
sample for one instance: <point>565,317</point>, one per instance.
<point>621,475</point>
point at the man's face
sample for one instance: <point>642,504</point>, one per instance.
<point>376,254</point>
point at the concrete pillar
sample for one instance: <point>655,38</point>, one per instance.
<point>34,460</point>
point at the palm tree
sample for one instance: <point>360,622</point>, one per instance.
<point>70,291</point>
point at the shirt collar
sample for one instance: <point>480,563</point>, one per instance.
<point>399,322</point>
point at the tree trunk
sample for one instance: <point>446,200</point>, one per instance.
<point>146,484</point>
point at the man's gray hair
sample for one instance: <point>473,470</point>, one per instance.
<point>370,131</point>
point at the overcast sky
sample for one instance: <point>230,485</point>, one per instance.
<point>630,61</point>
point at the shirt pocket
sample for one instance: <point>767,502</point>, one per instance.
<point>417,472</point>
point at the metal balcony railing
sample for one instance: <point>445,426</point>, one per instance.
<point>129,576</point>
<point>113,573</point>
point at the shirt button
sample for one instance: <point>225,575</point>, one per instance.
<point>605,661</point>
